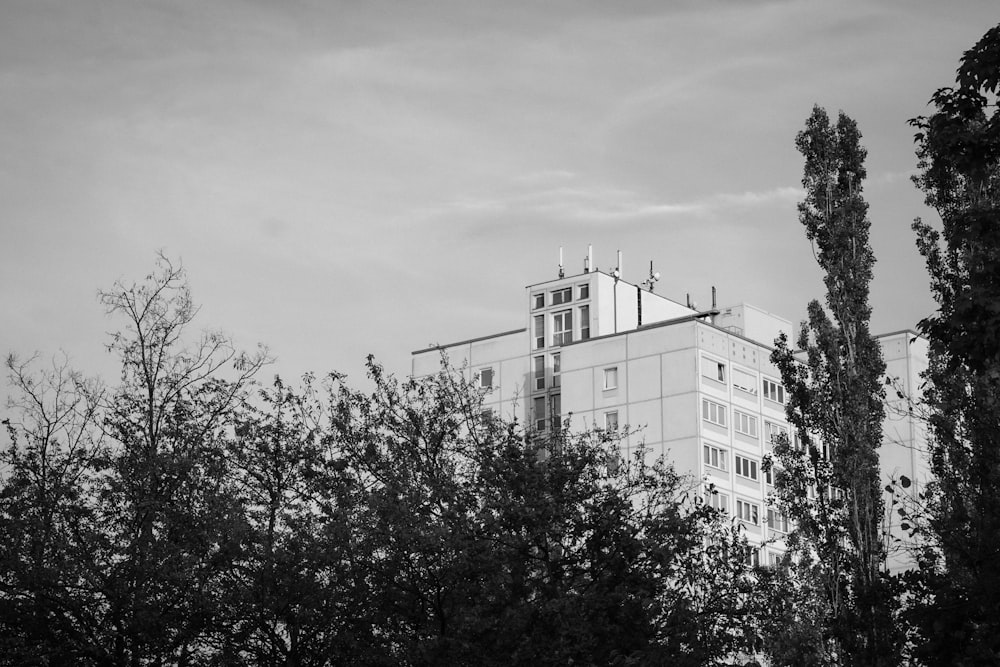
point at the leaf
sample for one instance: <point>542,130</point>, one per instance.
<point>904,481</point>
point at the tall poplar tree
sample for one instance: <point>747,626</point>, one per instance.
<point>827,477</point>
<point>958,147</point>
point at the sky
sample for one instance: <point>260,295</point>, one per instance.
<point>345,178</point>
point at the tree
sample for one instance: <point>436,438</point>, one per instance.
<point>958,146</point>
<point>47,520</point>
<point>164,502</point>
<point>489,544</point>
<point>836,408</point>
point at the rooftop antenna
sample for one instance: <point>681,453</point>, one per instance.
<point>617,273</point>
<point>589,259</point>
<point>561,272</point>
<point>653,277</point>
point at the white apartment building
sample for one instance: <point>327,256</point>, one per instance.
<point>695,386</point>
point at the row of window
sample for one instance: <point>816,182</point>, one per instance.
<point>748,511</point>
<point>746,424</point>
<point>743,380</point>
<point>718,458</point>
<point>560,296</point>
<point>547,410</point>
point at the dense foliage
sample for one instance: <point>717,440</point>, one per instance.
<point>957,588</point>
<point>190,516</point>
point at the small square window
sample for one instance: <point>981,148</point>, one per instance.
<point>486,378</point>
<point>611,420</point>
<point>585,291</point>
<point>611,378</point>
<point>538,301</point>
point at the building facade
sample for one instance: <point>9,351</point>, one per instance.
<point>696,387</point>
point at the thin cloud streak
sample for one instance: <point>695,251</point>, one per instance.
<point>609,205</point>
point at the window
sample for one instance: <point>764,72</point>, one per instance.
<point>539,373</point>
<point>713,412</point>
<point>774,391</point>
<point>486,378</point>
<point>540,413</point>
<point>719,501</point>
<point>611,378</point>
<point>769,474</point>
<point>744,381</point>
<point>715,457</point>
<point>562,327</point>
<point>537,301</point>
<point>584,322</point>
<point>753,557</point>
<point>744,423</point>
<point>746,467</point>
<point>556,369</point>
<point>539,332</point>
<point>486,415</point>
<point>611,420</point>
<point>556,409</point>
<point>713,370</point>
<point>777,521</point>
<point>585,291</point>
<point>747,511</point>
<point>774,431</point>
<point>562,296</point>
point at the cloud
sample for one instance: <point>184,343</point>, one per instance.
<point>596,204</point>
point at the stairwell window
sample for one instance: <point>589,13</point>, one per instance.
<point>539,372</point>
<point>584,322</point>
<point>556,369</point>
<point>486,378</point>
<point>562,296</point>
<point>539,328</point>
<point>539,405</point>
<point>562,327</point>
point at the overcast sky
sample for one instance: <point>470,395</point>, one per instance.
<point>344,178</point>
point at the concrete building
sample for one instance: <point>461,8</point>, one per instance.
<point>696,386</point>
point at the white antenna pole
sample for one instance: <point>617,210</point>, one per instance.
<point>561,273</point>
<point>619,262</point>
<point>590,256</point>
